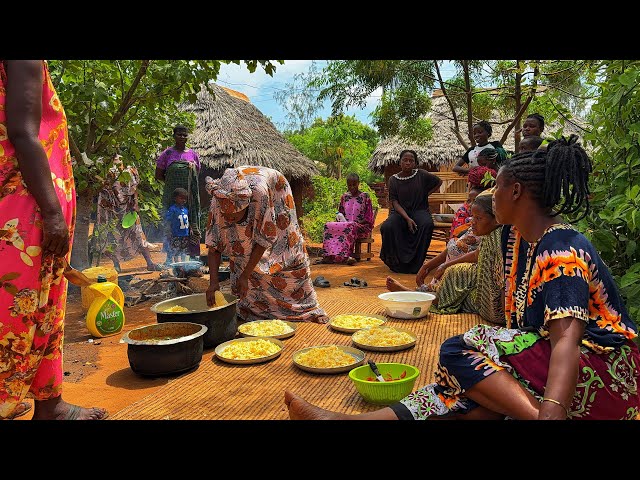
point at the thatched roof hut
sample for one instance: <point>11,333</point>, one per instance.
<point>230,132</point>
<point>443,150</point>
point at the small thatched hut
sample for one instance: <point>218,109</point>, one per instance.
<point>444,149</point>
<point>230,132</point>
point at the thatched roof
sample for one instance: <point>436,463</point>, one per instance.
<point>443,149</point>
<point>230,132</point>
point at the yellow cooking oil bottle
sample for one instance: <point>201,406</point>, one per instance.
<point>106,315</point>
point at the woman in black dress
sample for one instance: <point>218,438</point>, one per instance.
<point>406,234</point>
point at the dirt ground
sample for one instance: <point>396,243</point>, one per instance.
<point>97,371</point>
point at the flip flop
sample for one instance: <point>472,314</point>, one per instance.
<point>320,281</point>
<point>26,408</point>
<point>356,282</point>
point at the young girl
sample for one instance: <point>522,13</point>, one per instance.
<point>481,133</point>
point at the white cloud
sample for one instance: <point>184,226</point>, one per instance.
<point>239,78</point>
<point>260,87</point>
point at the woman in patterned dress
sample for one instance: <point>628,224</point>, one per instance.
<point>340,237</point>
<point>471,280</point>
<point>37,217</point>
<point>568,349</point>
<point>119,196</point>
<point>252,220</point>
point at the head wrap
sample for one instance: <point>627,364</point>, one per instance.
<point>476,174</point>
<point>231,190</point>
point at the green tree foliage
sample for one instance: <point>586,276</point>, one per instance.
<point>613,224</point>
<point>405,84</point>
<point>480,88</point>
<point>323,206</point>
<point>341,144</point>
<point>130,107</point>
<point>299,101</point>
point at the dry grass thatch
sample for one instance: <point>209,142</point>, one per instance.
<point>443,149</point>
<point>230,132</point>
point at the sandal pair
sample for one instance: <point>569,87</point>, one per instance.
<point>356,282</point>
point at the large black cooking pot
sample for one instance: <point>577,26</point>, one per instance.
<point>221,322</point>
<point>166,348</point>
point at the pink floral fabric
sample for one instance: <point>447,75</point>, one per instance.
<point>33,290</point>
<point>339,237</point>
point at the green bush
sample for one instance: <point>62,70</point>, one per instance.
<point>323,206</point>
<point>613,224</point>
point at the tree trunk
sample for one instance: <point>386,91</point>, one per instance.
<point>518,98</point>
<point>467,86</point>
<point>80,250</point>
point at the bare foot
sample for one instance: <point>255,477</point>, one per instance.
<point>300,409</point>
<point>320,319</point>
<point>66,411</point>
<point>395,286</point>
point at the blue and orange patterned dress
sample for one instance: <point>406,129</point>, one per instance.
<point>561,275</point>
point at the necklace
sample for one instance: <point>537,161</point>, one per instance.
<point>415,172</point>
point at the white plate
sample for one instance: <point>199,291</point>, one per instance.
<point>280,336</point>
<point>358,359</point>
<point>351,330</point>
<point>222,346</point>
<point>391,348</point>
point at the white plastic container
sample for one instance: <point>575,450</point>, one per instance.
<point>407,305</point>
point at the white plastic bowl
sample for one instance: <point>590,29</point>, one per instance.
<point>407,304</point>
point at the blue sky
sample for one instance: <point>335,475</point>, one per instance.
<point>260,88</point>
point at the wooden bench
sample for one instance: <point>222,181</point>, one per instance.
<point>358,254</point>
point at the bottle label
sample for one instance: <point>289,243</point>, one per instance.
<point>110,318</point>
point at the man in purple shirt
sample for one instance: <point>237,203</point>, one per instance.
<point>178,167</point>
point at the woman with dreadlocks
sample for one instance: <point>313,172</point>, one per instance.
<point>567,350</point>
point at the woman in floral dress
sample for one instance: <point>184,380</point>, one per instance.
<point>340,236</point>
<point>37,216</point>
<point>252,220</point>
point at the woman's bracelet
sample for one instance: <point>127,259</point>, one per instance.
<point>547,399</point>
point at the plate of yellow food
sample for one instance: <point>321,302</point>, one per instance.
<point>352,322</point>
<point>249,350</point>
<point>268,328</point>
<point>328,358</point>
<point>384,339</point>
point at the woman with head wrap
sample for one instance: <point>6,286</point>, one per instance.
<point>118,197</point>
<point>252,220</point>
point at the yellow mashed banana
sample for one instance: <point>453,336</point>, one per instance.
<point>355,321</point>
<point>267,328</point>
<point>177,308</point>
<point>249,350</point>
<point>382,337</point>
<point>325,357</point>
